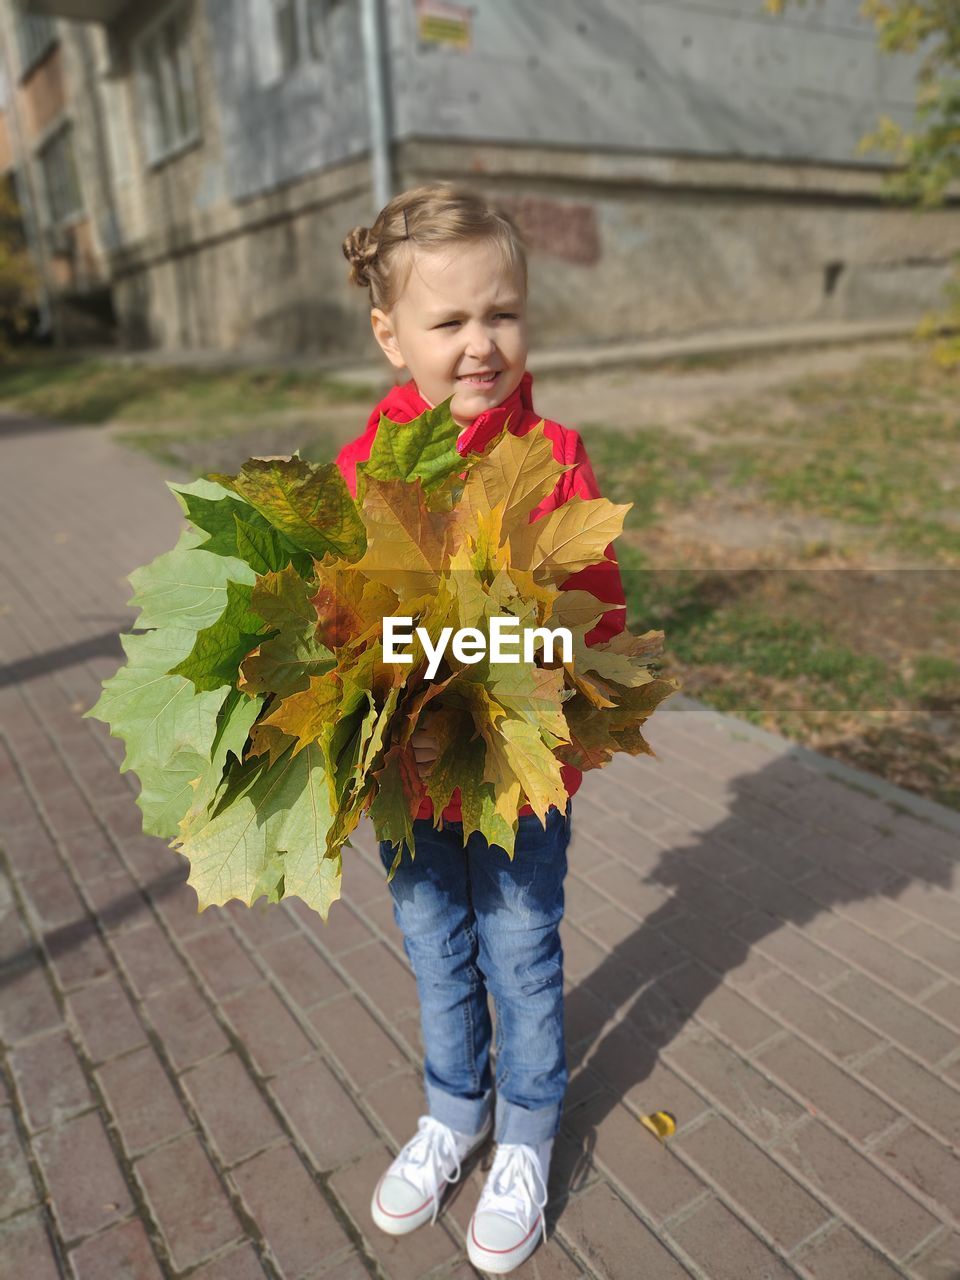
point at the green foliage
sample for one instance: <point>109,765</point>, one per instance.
<point>928,156</point>
<point>257,704</point>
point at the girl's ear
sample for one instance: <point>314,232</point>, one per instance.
<point>385,335</point>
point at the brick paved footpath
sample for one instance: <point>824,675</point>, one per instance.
<point>750,942</point>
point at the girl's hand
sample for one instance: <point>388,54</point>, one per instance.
<point>426,749</point>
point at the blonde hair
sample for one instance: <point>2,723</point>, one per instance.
<point>434,217</point>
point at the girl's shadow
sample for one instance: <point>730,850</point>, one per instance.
<point>795,844</point>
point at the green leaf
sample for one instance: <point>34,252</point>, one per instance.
<point>260,545</point>
<point>236,529</point>
<point>219,649</point>
<point>168,728</point>
<point>399,791</point>
<point>234,722</point>
<point>278,815</point>
<point>285,664</point>
<point>424,449</point>
<point>311,505</point>
<point>186,587</point>
<point>155,713</point>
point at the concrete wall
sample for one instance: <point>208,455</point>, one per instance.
<point>678,166</point>
<point>695,77</point>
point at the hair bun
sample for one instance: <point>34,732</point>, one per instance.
<point>359,249</point>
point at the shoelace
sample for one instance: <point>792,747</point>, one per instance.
<point>431,1149</point>
<point>512,1190</point>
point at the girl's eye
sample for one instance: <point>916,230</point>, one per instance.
<point>505,315</point>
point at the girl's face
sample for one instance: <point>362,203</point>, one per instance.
<point>461,313</point>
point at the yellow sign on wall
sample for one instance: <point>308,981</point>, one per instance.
<point>443,24</point>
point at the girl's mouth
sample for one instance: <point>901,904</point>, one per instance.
<point>476,381</point>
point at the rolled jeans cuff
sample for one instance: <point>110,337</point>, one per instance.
<point>519,1124</point>
<point>466,1115</point>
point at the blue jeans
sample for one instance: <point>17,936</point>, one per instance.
<point>474,922</point>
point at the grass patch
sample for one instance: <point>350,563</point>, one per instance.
<point>93,392</point>
<point>862,666</point>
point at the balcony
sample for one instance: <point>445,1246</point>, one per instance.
<point>105,11</point>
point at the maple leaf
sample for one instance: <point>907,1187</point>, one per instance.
<point>310,505</point>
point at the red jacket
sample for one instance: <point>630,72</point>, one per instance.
<point>403,403</point>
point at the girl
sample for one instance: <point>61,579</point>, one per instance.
<point>447,280</point>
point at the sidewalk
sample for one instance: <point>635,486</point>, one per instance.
<point>757,940</point>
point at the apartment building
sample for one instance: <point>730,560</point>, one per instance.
<point>678,166</point>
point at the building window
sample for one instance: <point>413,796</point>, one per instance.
<point>300,30</point>
<point>36,34</point>
<point>167,91</point>
<point>58,168</point>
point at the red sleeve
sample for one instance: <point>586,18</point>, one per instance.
<point>602,579</point>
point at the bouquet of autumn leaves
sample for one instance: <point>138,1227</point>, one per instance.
<point>257,707</point>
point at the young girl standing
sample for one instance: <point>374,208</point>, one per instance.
<point>447,278</point>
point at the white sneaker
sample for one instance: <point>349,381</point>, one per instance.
<point>411,1189</point>
<point>509,1219</point>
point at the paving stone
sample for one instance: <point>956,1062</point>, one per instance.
<point>897,1019</point>
<point>267,1028</point>
<point>941,1261</point>
<point>649,1175</point>
<point>793,952</point>
<point>262,923</point>
<point>636,1074</point>
<point>398,1102</point>
<point>77,956</point>
<point>122,1253</point>
<point>581,955</point>
<point>916,1092</point>
<point>150,962</point>
<point>841,1255</point>
<point>231,1107</point>
<point>812,1015</point>
<point>242,1264</point>
<point>386,981</point>
<point>25,1249</point>
<point>322,1115</point>
<point>759,1107</point>
<point>87,1188</point>
<point>142,1100</point>
<point>187,1200</point>
<point>724,1248</point>
<point>354,1037</point>
<point>928,1164</point>
<point>342,931</point>
<point>829,1089</point>
<point>17,1191</point>
<point>930,903</point>
<point>783,1209</point>
<point>719,1007</point>
<point>28,1006</point>
<point>105,1019</point>
<point>945,1003</point>
<point>299,1227</point>
<point>188,1029</point>
<point>828,1165</point>
<point>302,971</point>
<point>222,961</point>
<point>886,963</point>
<point>604,1229</point>
<point>50,1080</point>
<point>933,946</point>
<point>178,907</point>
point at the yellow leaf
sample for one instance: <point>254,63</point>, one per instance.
<point>661,1124</point>
<point>564,541</point>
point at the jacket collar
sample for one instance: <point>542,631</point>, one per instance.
<point>403,403</point>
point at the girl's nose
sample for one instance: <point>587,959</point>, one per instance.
<point>480,341</point>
